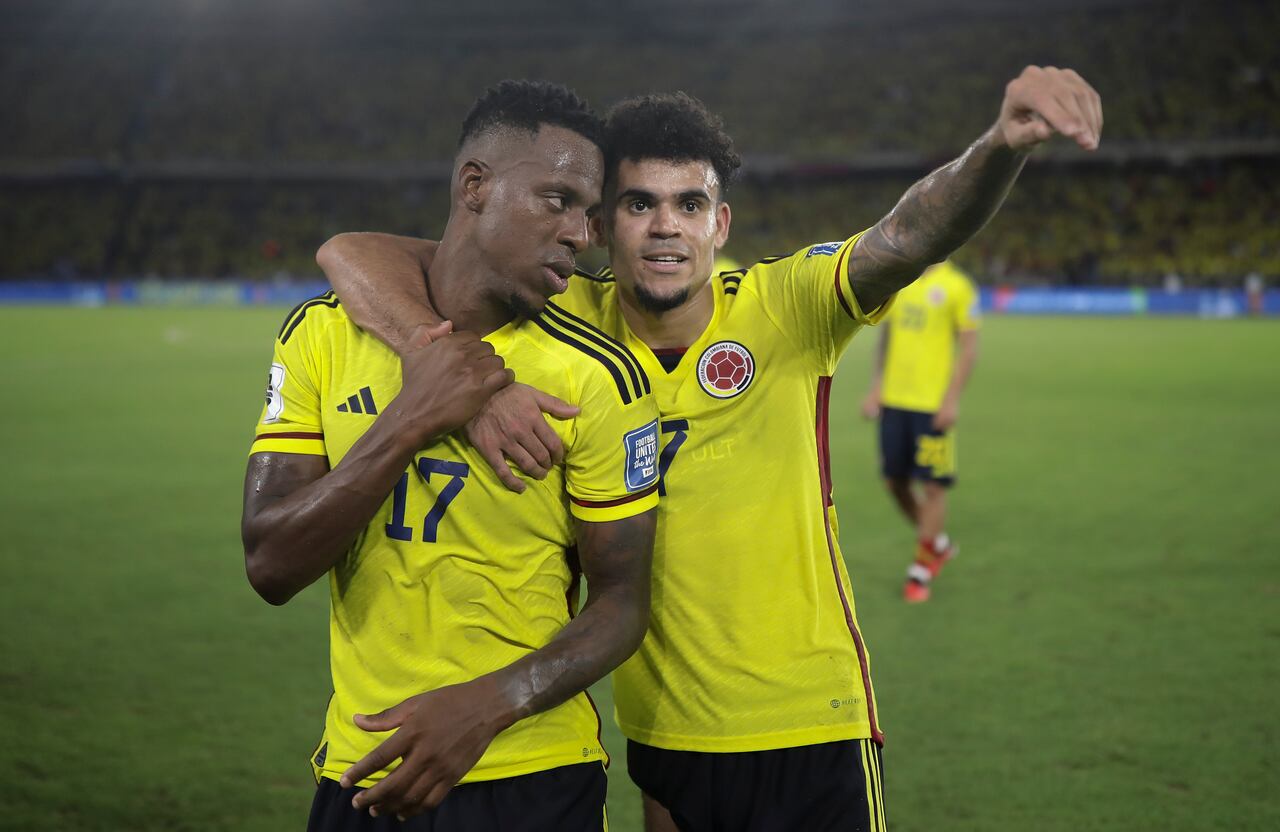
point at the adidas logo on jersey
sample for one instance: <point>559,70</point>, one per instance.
<point>361,402</point>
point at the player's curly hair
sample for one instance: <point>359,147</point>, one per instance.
<point>527,105</point>
<point>674,127</point>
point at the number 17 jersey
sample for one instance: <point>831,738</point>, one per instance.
<point>455,576</point>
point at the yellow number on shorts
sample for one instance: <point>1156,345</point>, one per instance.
<point>934,452</point>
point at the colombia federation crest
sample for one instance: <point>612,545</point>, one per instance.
<point>725,369</point>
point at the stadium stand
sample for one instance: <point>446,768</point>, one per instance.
<point>224,139</point>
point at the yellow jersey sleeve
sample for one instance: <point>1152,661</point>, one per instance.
<point>808,296</point>
<point>611,467</point>
<point>290,421</point>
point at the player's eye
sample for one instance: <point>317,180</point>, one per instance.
<point>692,207</point>
<point>639,206</point>
<point>558,201</point>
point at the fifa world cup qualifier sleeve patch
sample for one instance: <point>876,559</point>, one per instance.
<point>642,457</point>
<point>275,401</point>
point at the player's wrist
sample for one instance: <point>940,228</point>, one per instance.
<point>996,142</point>
<point>503,704</point>
<point>410,430</point>
<point>416,335</point>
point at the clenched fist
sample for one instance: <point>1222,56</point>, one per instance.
<point>1046,100</point>
<point>446,378</point>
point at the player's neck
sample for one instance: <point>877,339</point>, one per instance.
<point>674,328</point>
<point>456,283</point>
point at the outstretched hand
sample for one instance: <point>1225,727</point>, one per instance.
<point>1043,101</point>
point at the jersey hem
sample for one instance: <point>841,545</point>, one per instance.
<point>908,405</point>
<point>753,742</point>
<point>498,773</point>
<point>310,447</point>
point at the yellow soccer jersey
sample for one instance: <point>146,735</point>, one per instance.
<point>753,643</point>
<point>456,576</point>
<point>922,338</point>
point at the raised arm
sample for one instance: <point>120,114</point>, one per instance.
<point>441,734</point>
<point>945,209</point>
<point>381,279</point>
<point>300,517</point>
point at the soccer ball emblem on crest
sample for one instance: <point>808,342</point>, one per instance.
<point>725,369</point>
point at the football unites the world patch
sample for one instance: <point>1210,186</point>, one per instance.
<point>642,457</point>
<point>825,249</point>
<point>725,369</point>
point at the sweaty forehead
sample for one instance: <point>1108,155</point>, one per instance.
<point>552,151</point>
<point>665,177</point>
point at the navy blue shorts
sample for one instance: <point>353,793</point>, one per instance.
<point>910,448</point>
<point>565,799</point>
<point>828,787</point>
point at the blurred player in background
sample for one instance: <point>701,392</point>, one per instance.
<point>725,263</point>
<point>927,350</point>
<point>456,647</point>
<point>749,705</point>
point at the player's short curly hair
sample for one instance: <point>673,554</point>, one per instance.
<point>673,127</point>
<point>527,105</point>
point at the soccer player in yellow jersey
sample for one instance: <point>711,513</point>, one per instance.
<point>749,705</point>
<point>927,350</point>
<point>455,650</point>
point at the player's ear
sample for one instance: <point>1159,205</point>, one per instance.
<point>723,217</point>
<point>474,178</point>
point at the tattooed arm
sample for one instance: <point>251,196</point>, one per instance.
<point>945,209</point>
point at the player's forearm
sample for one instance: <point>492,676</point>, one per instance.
<point>602,636</point>
<point>933,218</point>
<point>966,360</point>
<point>292,539</point>
<point>381,282</point>
<point>877,359</point>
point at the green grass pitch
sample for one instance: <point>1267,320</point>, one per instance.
<point>1101,656</point>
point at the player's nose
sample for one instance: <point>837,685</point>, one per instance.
<point>575,234</point>
<point>663,223</point>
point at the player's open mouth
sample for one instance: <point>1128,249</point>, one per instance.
<point>558,275</point>
<point>664,263</point>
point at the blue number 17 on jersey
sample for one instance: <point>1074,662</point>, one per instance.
<point>427,466</point>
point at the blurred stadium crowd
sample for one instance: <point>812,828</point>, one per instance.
<point>202,139</point>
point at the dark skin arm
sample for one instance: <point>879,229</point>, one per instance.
<point>359,264</point>
<point>944,210</point>
<point>439,735</point>
<point>300,517</point>
<point>381,279</point>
